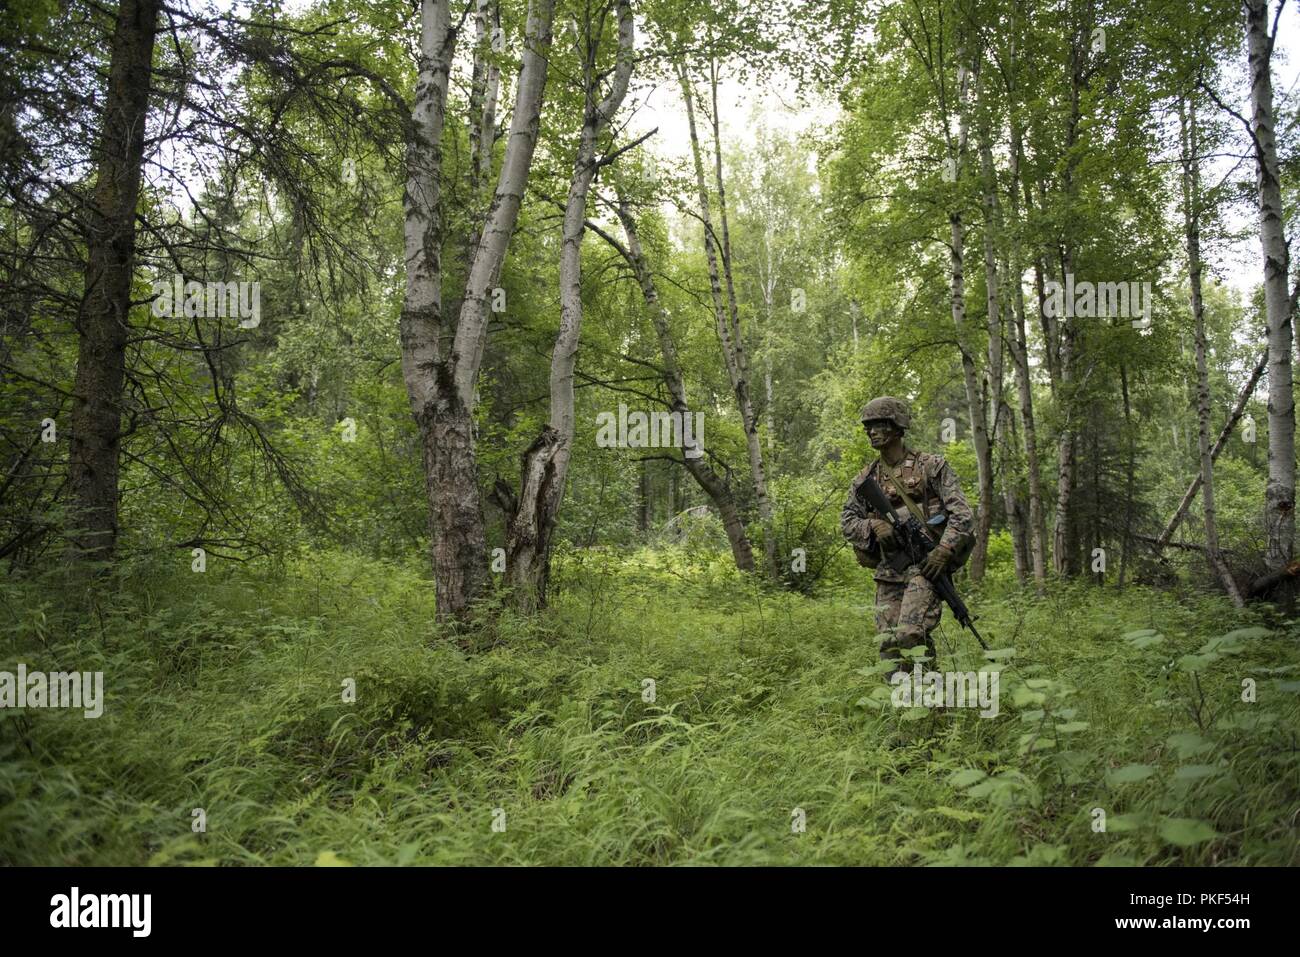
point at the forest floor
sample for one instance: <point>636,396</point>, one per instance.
<point>1122,734</point>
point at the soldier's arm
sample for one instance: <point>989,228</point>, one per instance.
<point>853,521</point>
<point>961,519</point>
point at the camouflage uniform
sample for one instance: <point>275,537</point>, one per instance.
<point>907,607</point>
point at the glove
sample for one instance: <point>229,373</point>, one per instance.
<point>883,531</point>
<point>936,562</point>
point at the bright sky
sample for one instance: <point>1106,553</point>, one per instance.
<point>661,106</point>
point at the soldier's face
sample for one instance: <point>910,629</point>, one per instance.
<point>881,432</point>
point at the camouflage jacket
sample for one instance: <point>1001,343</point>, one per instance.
<point>930,483</point>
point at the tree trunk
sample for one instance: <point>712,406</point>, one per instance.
<point>757,465</point>
<point>1005,442</point>
<point>440,381</point>
<point>643,498</point>
<point>767,273</point>
<point>975,403</point>
<point>546,462</point>
<point>1189,496</point>
<point>994,325</point>
<point>1064,540</point>
<point>1192,233</point>
<point>1279,493</point>
<point>732,351</point>
<point>459,549</point>
<point>103,317</point>
<point>1130,482</point>
<point>714,486</point>
<point>485,86</point>
<point>1024,384</point>
<point>421,319</point>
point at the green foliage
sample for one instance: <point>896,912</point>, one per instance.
<point>224,692</point>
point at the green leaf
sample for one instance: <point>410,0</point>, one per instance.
<point>1130,774</point>
<point>1186,831</point>
<point>1195,772</point>
<point>1279,670</point>
<point>1223,645</point>
<point>406,853</point>
<point>1117,860</point>
<point>965,777</point>
<point>1144,637</point>
<point>957,814</point>
<point>1140,633</point>
<point>1041,855</point>
<point>1124,823</point>
<point>1188,744</point>
<point>1197,662</point>
<point>1022,696</point>
<point>1249,634</point>
<point>1072,726</point>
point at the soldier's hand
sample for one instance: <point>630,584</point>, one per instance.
<point>936,563</point>
<point>883,531</point>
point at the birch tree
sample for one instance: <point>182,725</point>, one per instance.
<point>975,400</point>
<point>440,358</point>
<point>531,517</point>
<point>1189,142</point>
<point>715,486</point>
<point>1279,492</point>
<point>726,315</point>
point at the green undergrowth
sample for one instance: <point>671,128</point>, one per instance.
<point>662,712</point>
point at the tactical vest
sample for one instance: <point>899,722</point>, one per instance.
<point>910,475</point>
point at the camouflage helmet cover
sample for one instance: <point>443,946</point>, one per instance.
<point>888,408</point>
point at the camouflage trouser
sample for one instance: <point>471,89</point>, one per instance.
<point>906,613</point>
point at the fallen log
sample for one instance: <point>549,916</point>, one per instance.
<point>1186,546</point>
<point>1272,579</point>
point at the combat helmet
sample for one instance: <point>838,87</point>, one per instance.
<point>888,408</point>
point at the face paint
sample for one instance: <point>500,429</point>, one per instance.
<point>881,433</point>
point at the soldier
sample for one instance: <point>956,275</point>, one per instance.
<point>922,483</point>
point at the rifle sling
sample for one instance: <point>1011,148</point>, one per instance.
<point>907,500</point>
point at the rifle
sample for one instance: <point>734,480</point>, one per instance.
<point>914,543</point>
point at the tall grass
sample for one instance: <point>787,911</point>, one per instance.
<point>226,692</point>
